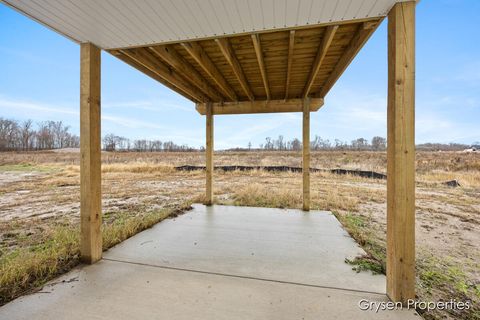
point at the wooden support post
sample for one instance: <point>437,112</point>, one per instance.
<point>90,152</point>
<point>401,153</point>
<point>306,154</point>
<point>209,155</point>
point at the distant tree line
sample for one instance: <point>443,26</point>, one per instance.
<point>26,136</point>
<point>47,135</point>
<point>319,143</point>
<point>112,142</point>
<point>446,146</point>
<point>360,144</point>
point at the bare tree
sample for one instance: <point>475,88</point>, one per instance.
<point>360,144</point>
<point>8,134</point>
<point>27,134</point>
<point>379,143</point>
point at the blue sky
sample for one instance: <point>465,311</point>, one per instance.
<point>40,81</point>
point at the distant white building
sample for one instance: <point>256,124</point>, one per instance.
<point>472,149</point>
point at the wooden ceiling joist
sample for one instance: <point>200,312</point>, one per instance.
<point>365,30</point>
<point>197,53</point>
<point>260,106</point>
<point>291,44</point>
<point>261,64</point>
<point>232,60</point>
<point>150,73</point>
<point>145,58</point>
<point>183,67</point>
<point>322,52</point>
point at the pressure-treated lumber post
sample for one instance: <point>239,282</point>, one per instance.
<point>209,155</point>
<point>401,153</point>
<point>90,161</point>
<point>306,154</point>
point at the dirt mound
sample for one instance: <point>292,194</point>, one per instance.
<point>360,173</point>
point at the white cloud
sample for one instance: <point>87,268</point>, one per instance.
<point>27,105</point>
<point>158,106</point>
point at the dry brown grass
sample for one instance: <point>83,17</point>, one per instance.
<point>41,190</point>
<point>35,261</point>
<point>257,195</point>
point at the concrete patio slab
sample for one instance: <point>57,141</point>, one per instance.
<point>274,244</point>
<point>116,290</point>
<point>218,263</point>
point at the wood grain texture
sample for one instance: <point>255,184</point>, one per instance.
<point>322,52</point>
<point>266,106</point>
<point>306,154</point>
<point>291,44</point>
<point>362,35</point>
<point>209,155</point>
<point>186,70</point>
<point>146,58</point>
<point>149,73</point>
<point>272,65</point>
<point>401,153</point>
<point>198,54</point>
<point>90,155</point>
<point>261,64</point>
<point>232,60</point>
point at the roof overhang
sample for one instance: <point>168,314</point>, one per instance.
<point>223,51</point>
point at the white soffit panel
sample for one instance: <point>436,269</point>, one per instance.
<point>127,23</point>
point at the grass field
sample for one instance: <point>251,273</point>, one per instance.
<point>39,209</point>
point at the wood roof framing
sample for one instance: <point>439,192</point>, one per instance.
<point>291,44</point>
<point>322,52</point>
<point>229,54</point>
<point>196,51</point>
<point>277,65</point>
<point>261,64</point>
<point>176,61</point>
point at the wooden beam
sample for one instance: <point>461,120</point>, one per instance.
<point>291,44</point>
<point>401,153</point>
<point>209,155</point>
<point>363,34</point>
<point>265,106</point>
<point>90,150</point>
<point>184,68</point>
<point>149,73</point>
<point>261,63</point>
<point>197,53</point>
<point>306,154</point>
<point>145,58</point>
<point>321,53</point>
<point>232,60</point>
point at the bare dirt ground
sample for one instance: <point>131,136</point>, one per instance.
<point>41,189</point>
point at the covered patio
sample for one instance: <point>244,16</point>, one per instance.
<point>236,57</point>
<point>219,262</point>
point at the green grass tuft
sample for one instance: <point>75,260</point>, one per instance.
<point>29,267</point>
<point>26,167</point>
<point>366,263</point>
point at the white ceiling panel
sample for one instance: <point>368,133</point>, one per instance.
<point>125,23</point>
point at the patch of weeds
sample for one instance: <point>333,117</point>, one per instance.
<point>444,280</point>
<point>25,268</point>
<point>354,221</point>
<point>25,167</point>
<point>28,267</point>
<point>358,228</point>
<point>366,263</point>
